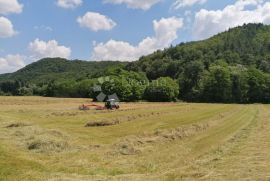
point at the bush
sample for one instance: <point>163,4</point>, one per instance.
<point>85,88</point>
<point>25,91</point>
<point>121,87</point>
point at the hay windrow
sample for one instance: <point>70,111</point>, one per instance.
<point>60,114</point>
<point>102,123</point>
<point>17,125</point>
<point>120,120</point>
<point>39,140</point>
<point>48,146</point>
<point>134,144</point>
<point>128,149</point>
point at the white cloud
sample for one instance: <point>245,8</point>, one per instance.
<point>6,28</point>
<point>10,6</point>
<point>69,4</point>
<point>43,28</point>
<point>11,63</point>
<point>165,34</point>
<point>95,21</point>
<point>39,49</point>
<point>184,3</point>
<point>42,49</point>
<point>135,4</point>
<point>208,23</point>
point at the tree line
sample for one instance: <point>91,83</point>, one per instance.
<point>220,84</point>
<point>231,67</point>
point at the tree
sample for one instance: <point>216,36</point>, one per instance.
<point>10,87</point>
<point>62,89</point>
<point>163,89</point>
<point>267,89</point>
<point>258,86</point>
<point>240,86</point>
<point>189,81</point>
<point>85,88</point>
<point>217,85</point>
<point>118,86</point>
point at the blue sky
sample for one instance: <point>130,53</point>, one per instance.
<point>113,29</point>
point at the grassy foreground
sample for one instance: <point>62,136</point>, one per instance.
<point>46,139</point>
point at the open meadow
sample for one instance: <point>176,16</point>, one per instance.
<point>47,139</point>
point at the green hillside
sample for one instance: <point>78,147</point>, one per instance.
<point>248,45</point>
<point>59,69</point>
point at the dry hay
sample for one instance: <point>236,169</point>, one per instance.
<point>60,114</point>
<point>135,144</point>
<point>16,125</point>
<point>146,115</point>
<point>128,149</point>
<point>135,117</point>
<point>104,111</point>
<point>40,140</point>
<point>102,123</point>
<point>182,132</point>
<point>47,146</point>
<point>47,141</point>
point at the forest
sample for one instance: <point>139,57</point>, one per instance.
<point>231,67</point>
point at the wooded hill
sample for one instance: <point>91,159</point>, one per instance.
<point>49,69</point>
<point>233,66</point>
<point>248,45</point>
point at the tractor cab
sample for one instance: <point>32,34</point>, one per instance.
<point>112,104</point>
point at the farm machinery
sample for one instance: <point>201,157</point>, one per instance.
<point>109,105</point>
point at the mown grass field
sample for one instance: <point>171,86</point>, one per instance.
<point>46,139</point>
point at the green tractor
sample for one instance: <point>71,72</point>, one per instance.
<point>112,104</point>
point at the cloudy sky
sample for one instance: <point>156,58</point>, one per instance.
<point>113,29</point>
